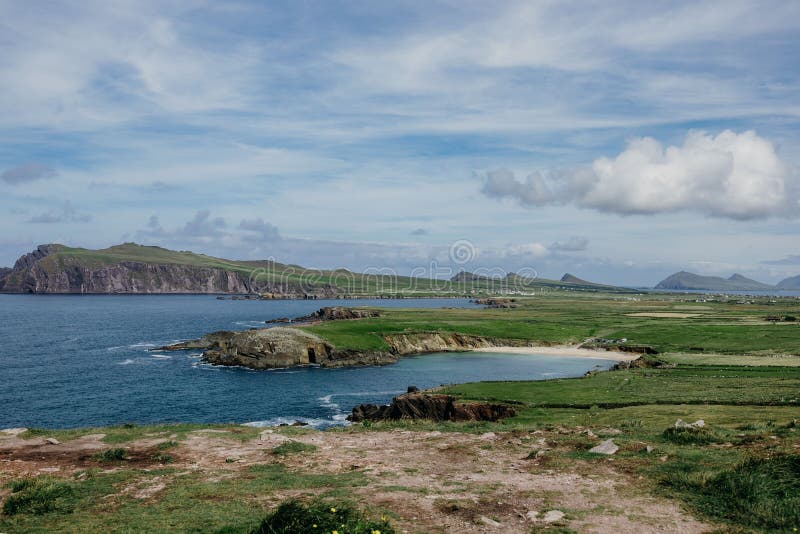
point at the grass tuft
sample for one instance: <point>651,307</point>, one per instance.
<point>111,455</point>
<point>293,447</point>
<point>760,493</point>
<point>38,496</point>
<point>293,516</point>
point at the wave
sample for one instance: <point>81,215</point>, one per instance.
<point>251,324</point>
<point>313,422</point>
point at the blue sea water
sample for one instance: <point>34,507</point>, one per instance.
<point>70,361</point>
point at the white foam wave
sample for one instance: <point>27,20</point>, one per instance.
<point>161,356</point>
<point>251,324</point>
<point>318,423</point>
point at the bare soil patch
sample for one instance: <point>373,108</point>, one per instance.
<point>433,481</point>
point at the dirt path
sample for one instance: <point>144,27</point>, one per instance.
<point>435,482</point>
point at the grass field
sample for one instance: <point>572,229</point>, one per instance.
<point>724,327</point>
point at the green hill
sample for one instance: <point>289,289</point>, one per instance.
<point>133,268</point>
<point>687,281</point>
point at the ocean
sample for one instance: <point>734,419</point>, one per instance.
<point>86,360</point>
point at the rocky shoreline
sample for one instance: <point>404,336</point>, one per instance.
<point>431,406</point>
<point>283,346</point>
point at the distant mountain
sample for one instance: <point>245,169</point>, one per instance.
<point>572,279</point>
<point>685,280</point>
<point>466,276</point>
<point>132,268</point>
<point>789,283</point>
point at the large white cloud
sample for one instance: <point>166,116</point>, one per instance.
<point>731,175</point>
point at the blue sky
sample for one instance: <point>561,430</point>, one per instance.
<point>620,141</point>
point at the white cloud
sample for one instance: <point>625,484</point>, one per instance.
<point>65,214</point>
<point>731,175</point>
<point>573,244</point>
<point>535,250</point>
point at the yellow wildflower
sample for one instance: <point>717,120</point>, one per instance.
<point>333,510</point>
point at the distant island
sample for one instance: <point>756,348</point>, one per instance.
<point>690,281</point>
<point>137,269</point>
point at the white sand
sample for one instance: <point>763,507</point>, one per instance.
<point>566,351</point>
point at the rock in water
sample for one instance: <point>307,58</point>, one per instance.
<point>606,447</point>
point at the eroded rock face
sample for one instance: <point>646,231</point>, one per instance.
<point>435,407</point>
<point>31,276</point>
<point>270,348</point>
<point>46,271</point>
<point>421,343</point>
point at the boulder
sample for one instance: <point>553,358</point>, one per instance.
<point>680,423</point>
<point>552,516</point>
<point>606,447</point>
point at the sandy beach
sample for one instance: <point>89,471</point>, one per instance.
<point>567,351</point>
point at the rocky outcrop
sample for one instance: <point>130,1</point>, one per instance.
<point>26,261</point>
<point>279,347</point>
<point>329,313</point>
<point>435,407</point>
<point>497,303</point>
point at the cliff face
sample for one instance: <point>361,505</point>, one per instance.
<point>421,343</point>
<point>30,276</point>
<point>271,348</point>
<point>435,407</point>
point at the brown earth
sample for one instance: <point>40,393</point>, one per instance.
<point>434,481</point>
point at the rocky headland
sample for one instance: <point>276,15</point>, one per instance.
<point>286,346</point>
<point>280,346</point>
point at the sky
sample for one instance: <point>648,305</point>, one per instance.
<point>619,141</point>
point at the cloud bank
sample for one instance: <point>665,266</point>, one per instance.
<point>731,175</point>
<point>28,172</point>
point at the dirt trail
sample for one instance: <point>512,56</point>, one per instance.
<point>434,481</point>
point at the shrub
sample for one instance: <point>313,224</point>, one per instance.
<point>111,455</point>
<point>691,435</point>
<point>163,458</point>
<point>293,447</point>
<point>38,496</point>
<point>164,445</point>
<point>293,516</point>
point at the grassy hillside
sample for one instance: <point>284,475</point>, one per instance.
<point>346,282</point>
